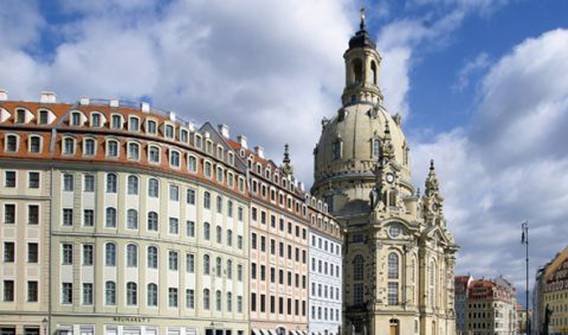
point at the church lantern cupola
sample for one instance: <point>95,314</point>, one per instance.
<point>362,65</point>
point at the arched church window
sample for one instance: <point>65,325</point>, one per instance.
<point>432,283</point>
<point>358,70</point>
<point>393,276</point>
<point>374,72</point>
<point>358,267</point>
<point>393,266</point>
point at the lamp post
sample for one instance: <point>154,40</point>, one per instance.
<point>525,241</point>
<point>44,325</point>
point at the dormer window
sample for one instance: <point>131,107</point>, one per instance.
<point>207,169</point>
<point>184,135</point>
<point>192,163</point>
<point>259,169</point>
<point>96,120</point>
<point>198,141</point>
<point>219,174</point>
<point>43,117</point>
<point>231,159</point>
<point>154,154</point>
<point>11,143</point>
<point>89,147</point>
<point>76,119</point>
<point>68,146</point>
<point>112,148</point>
<point>35,144</point>
<point>20,116</point>
<point>133,123</point>
<point>133,151</point>
<point>220,152</point>
<point>174,158</point>
<point>151,127</point>
<point>116,121</point>
<point>209,147</point>
<point>169,131</point>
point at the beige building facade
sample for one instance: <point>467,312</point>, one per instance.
<point>399,255</point>
<point>551,293</point>
<point>120,220</point>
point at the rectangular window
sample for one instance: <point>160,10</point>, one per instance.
<point>190,298</point>
<point>174,193</point>
<point>88,218</point>
<point>190,260</point>
<point>89,185</point>
<point>9,214</point>
<point>33,251</point>
<point>173,260</point>
<point>68,182</point>
<point>67,217</point>
<point>87,293</point>
<point>9,252</point>
<point>253,302</point>
<point>190,197</point>
<point>173,297</point>
<point>32,291</point>
<point>67,254</point>
<point>393,293</point>
<point>88,254</point>
<point>190,228</point>
<point>33,180</point>
<point>67,293</point>
<point>10,180</point>
<point>33,214</point>
<point>174,226</point>
<point>8,290</point>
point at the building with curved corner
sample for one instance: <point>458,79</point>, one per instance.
<point>119,220</point>
<point>399,255</point>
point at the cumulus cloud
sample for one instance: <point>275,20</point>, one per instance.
<point>510,164</point>
<point>269,69</point>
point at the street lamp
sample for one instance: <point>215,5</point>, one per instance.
<point>525,241</point>
<point>44,325</point>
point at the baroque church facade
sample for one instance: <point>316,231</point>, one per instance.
<point>398,256</point>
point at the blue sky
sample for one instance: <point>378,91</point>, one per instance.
<point>481,85</point>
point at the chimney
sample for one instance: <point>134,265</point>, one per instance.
<point>224,130</point>
<point>84,101</point>
<point>301,186</point>
<point>114,103</point>
<point>242,141</point>
<point>3,94</point>
<point>47,97</point>
<point>172,116</point>
<point>191,126</point>
<point>259,151</point>
<point>145,107</point>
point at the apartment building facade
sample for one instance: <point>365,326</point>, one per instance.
<point>119,220</point>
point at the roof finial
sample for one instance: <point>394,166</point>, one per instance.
<point>362,15</point>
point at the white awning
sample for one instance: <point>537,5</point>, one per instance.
<point>271,332</point>
<point>255,331</point>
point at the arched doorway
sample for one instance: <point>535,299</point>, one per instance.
<point>394,327</point>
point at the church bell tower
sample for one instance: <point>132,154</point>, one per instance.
<point>362,65</point>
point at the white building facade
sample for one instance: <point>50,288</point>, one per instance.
<point>325,278</point>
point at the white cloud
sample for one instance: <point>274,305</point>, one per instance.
<point>479,63</point>
<point>508,167</point>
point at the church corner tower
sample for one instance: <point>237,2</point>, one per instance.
<point>399,255</point>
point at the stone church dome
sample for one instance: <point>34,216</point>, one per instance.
<point>351,142</point>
